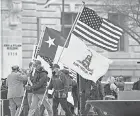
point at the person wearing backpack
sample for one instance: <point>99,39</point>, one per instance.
<point>61,87</point>
<point>39,81</point>
<point>92,94</point>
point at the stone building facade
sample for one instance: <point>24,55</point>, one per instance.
<point>22,22</point>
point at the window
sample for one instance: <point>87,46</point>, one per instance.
<point>120,20</point>
<point>69,18</point>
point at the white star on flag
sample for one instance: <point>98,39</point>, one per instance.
<point>50,42</point>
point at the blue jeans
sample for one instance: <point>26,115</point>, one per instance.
<point>14,105</point>
<point>34,105</point>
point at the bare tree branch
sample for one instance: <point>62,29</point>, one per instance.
<point>131,11</point>
<point>136,39</point>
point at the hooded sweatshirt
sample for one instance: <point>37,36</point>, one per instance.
<point>39,81</point>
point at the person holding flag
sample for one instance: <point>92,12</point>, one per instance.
<point>46,49</point>
<point>31,71</point>
<point>38,89</point>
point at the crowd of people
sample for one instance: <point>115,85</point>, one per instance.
<point>33,84</point>
<point>28,91</point>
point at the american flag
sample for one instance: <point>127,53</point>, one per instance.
<point>98,31</point>
<point>73,73</point>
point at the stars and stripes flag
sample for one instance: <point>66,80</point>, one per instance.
<point>98,31</point>
<point>73,73</point>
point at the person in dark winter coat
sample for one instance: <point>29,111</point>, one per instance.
<point>38,88</point>
<point>93,95</point>
<point>4,89</point>
<point>61,87</point>
<point>28,98</point>
<point>73,89</point>
<point>100,89</point>
<point>136,85</point>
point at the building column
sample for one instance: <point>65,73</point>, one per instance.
<point>0,46</point>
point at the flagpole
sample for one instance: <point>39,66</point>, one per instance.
<point>79,94</point>
<point>72,28</point>
<point>38,44</point>
<point>41,37</point>
<point>63,17</point>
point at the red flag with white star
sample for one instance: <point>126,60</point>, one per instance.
<point>50,42</point>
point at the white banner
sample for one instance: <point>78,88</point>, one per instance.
<point>12,55</point>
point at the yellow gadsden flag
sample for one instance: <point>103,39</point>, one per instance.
<point>85,61</point>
